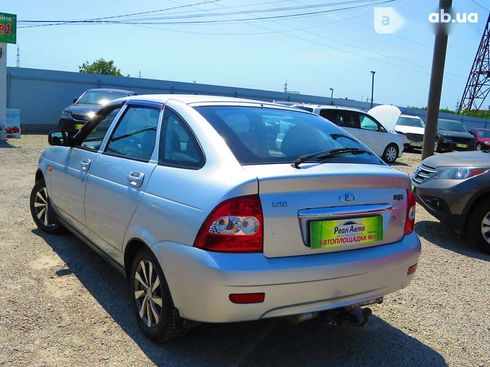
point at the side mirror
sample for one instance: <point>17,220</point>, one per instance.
<point>75,100</point>
<point>60,138</point>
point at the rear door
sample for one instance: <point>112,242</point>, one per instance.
<point>372,134</point>
<point>348,120</point>
<point>121,172</point>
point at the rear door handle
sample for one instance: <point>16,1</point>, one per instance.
<point>85,164</point>
<point>136,178</point>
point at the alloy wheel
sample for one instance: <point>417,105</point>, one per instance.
<point>147,293</point>
<point>478,146</point>
<point>391,154</point>
<point>485,227</point>
<point>42,207</point>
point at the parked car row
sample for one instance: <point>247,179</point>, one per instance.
<point>221,209</point>
<point>366,128</point>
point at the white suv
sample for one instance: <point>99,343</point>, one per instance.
<point>388,145</point>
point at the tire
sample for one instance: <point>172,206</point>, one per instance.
<point>41,210</point>
<point>436,146</point>
<point>390,154</point>
<point>157,316</point>
<point>478,228</point>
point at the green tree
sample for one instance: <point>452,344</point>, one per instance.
<point>100,66</point>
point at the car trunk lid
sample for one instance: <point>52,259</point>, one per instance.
<point>323,208</point>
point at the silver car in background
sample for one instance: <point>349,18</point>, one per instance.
<point>221,209</point>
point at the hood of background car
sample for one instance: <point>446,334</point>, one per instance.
<point>82,109</point>
<point>409,129</point>
<point>387,115</point>
<point>483,140</point>
<point>459,159</point>
<point>456,134</point>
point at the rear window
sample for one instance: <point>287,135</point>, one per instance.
<point>258,135</point>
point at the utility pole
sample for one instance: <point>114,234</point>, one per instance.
<point>286,86</point>
<point>436,78</point>
<point>372,87</point>
<point>18,56</point>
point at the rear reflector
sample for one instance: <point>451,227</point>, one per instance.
<point>247,297</point>
<point>412,269</point>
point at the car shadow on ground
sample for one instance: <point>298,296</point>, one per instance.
<point>261,343</point>
<point>443,236</point>
<point>6,144</point>
<point>398,164</point>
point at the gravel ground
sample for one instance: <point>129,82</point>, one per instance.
<point>62,305</point>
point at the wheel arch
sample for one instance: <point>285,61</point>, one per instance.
<point>39,175</point>
<point>130,251</point>
<point>485,195</point>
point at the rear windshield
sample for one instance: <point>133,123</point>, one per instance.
<point>409,121</point>
<point>258,135</point>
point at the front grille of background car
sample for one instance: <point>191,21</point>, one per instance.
<point>78,117</point>
<point>418,138</point>
<point>462,140</point>
<point>423,173</point>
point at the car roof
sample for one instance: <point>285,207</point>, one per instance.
<point>330,107</point>
<point>110,90</point>
<point>192,99</point>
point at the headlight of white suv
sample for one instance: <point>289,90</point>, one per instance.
<point>459,173</point>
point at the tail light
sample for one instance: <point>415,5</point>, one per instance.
<point>410,219</point>
<point>235,225</point>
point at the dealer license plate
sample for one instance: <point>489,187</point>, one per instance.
<point>327,234</point>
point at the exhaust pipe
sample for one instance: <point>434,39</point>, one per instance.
<point>352,315</point>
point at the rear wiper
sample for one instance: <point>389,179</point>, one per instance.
<point>320,156</point>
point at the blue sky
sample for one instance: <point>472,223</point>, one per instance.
<point>313,53</point>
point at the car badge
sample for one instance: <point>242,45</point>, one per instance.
<point>347,198</point>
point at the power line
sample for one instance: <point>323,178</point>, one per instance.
<point>284,16</point>
<point>480,5</point>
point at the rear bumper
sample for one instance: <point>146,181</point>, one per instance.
<point>201,281</point>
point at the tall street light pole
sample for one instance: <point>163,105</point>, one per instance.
<point>331,95</point>
<point>372,87</point>
<point>436,77</point>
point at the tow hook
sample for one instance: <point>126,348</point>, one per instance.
<point>347,316</point>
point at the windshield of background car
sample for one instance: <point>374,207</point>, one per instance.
<point>407,121</point>
<point>100,97</point>
<point>484,133</point>
<point>451,126</point>
<point>258,135</point>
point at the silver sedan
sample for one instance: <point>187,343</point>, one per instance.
<point>221,209</point>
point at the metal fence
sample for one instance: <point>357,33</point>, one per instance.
<point>41,95</point>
